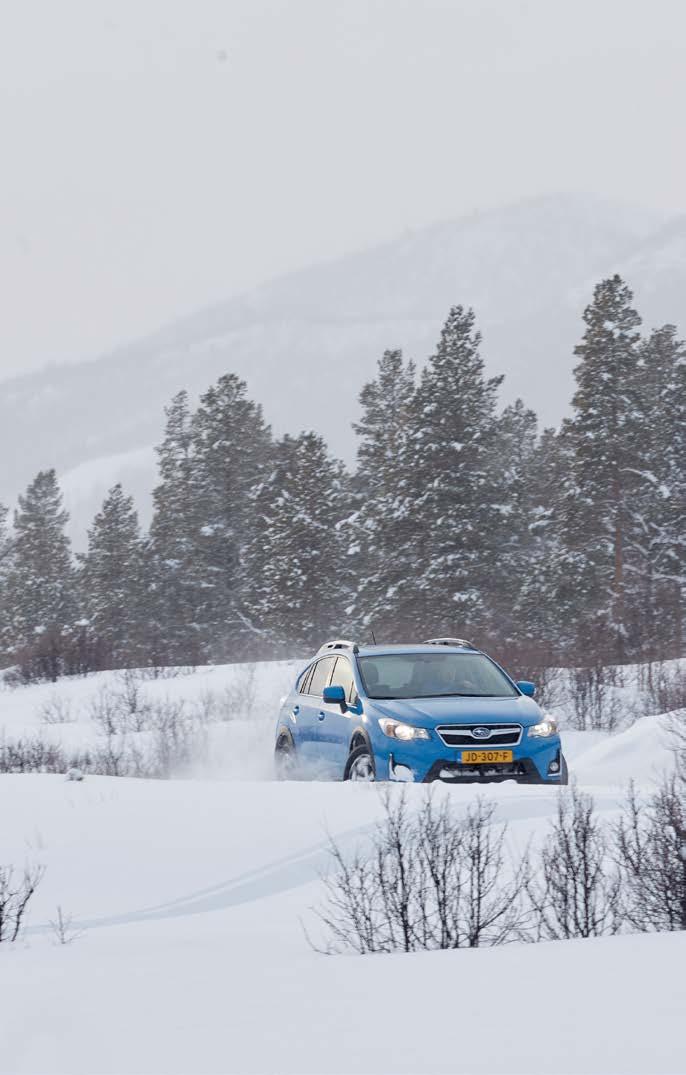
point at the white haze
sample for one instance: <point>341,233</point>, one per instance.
<point>161,155</point>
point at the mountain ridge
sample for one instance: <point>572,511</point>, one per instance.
<point>306,337</point>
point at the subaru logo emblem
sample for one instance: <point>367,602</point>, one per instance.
<point>481,733</point>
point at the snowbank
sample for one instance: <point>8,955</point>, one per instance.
<point>192,895</point>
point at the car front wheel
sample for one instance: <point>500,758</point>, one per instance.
<point>360,765</point>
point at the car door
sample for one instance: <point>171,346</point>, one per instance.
<point>338,721</point>
<point>314,747</point>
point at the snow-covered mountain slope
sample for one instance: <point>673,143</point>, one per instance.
<point>192,895</point>
<point>307,341</point>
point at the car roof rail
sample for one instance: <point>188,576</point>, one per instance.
<point>449,642</point>
<point>338,643</point>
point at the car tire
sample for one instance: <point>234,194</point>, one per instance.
<point>564,771</point>
<point>360,765</point>
<point>284,757</point>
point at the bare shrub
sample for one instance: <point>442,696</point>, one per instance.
<point>665,689</point>
<point>130,701</point>
<point>14,898</point>
<point>62,926</point>
<point>240,695</point>
<point>208,707</point>
<point>32,755</point>
<point>651,856</point>
<point>677,733</point>
<point>179,739</point>
<point>549,681</point>
<point>56,710</point>
<point>104,710</point>
<point>592,700</point>
<point>430,880</point>
<point>572,892</point>
<point>162,671</point>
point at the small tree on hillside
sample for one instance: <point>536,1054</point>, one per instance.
<point>173,569</point>
<point>40,585</point>
<point>298,584</point>
<point>112,583</point>
<point>5,554</point>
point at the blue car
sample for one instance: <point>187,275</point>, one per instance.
<point>442,710</point>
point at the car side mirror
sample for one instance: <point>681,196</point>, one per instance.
<point>335,695</point>
<point>527,688</point>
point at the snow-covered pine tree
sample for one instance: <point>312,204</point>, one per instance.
<point>599,518</point>
<point>112,585</point>
<point>298,583</point>
<point>515,455</point>
<point>174,570</point>
<point>376,528</point>
<point>660,540</point>
<point>453,505</point>
<point>5,550</point>
<point>40,585</point>
<point>545,602</point>
<point>231,448</point>
<point>385,404</point>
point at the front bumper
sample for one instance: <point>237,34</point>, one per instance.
<point>426,761</point>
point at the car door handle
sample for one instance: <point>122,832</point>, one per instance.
<point>295,710</point>
<point>322,714</point>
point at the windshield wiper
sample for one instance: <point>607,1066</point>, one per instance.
<point>450,694</point>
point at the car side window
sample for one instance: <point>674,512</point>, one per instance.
<point>305,679</point>
<point>343,677</point>
<point>320,676</point>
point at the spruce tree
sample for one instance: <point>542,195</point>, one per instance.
<point>173,567</point>
<point>5,554</point>
<point>452,506</point>
<point>112,583</point>
<point>546,601</point>
<point>599,512</point>
<point>376,529</point>
<point>40,586</point>
<point>298,583</point>
<point>231,446</point>
<point>660,494</point>
<point>385,404</point>
<point>515,457</point>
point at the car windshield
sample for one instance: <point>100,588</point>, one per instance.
<point>433,675</point>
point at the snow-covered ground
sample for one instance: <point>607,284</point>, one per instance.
<point>192,895</point>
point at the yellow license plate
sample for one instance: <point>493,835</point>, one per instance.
<point>485,757</point>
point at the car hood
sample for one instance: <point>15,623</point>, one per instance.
<point>429,712</point>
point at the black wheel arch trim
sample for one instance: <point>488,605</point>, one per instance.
<point>284,733</point>
<point>360,733</point>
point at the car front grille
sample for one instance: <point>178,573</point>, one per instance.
<point>462,735</point>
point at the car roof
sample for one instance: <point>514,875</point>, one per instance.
<point>375,651</point>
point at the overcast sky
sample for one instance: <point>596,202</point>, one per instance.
<point>158,155</point>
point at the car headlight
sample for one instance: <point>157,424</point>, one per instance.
<point>545,729</point>
<point>395,729</point>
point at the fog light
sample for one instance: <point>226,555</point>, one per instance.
<point>554,767</point>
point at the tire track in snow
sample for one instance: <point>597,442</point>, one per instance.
<point>302,867</point>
